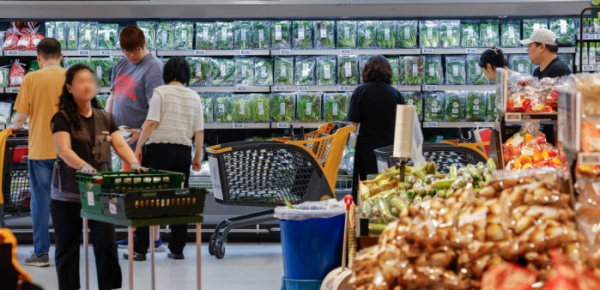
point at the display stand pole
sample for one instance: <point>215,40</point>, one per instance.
<point>199,254</point>
<point>86,242</point>
<point>402,169</point>
<point>152,278</point>
<point>130,246</point>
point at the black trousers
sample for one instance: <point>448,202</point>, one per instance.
<point>365,162</point>
<point>172,157</point>
<point>68,226</point>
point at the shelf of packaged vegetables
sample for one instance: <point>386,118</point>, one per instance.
<point>82,53</point>
<point>458,124</point>
<point>344,51</point>
<point>236,89</point>
<point>459,88</point>
<point>296,125</point>
<point>341,88</point>
<point>590,37</point>
<point>232,52</point>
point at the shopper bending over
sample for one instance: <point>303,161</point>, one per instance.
<point>373,106</point>
<point>174,118</point>
<point>83,134</point>
<point>490,60</point>
<point>542,51</point>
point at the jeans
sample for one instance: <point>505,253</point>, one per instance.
<point>40,180</point>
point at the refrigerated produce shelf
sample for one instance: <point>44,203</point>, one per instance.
<point>459,88</point>
<point>296,125</point>
<point>229,52</point>
<point>238,89</point>
<point>458,124</point>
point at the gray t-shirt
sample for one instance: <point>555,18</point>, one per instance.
<point>132,86</point>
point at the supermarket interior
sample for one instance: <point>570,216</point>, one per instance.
<point>300,145</point>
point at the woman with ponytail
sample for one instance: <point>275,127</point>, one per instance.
<point>492,59</point>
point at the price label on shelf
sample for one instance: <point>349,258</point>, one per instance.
<point>14,90</point>
<point>283,125</point>
<point>585,36</point>
<point>431,125</point>
<point>279,89</point>
<point>84,52</point>
<point>285,51</point>
<point>513,116</point>
<point>303,89</point>
<point>199,52</point>
<point>244,52</point>
<point>12,52</point>
<point>431,88</point>
<point>427,51</point>
<point>588,68</point>
<point>588,159</point>
<point>525,50</point>
<point>344,88</point>
<point>596,36</point>
<point>105,52</point>
<point>241,89</point>
<point>238,126</point>
<point>471,50</point>
<point>345,51</point>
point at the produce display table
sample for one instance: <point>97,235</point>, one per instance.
<point>130,224</point>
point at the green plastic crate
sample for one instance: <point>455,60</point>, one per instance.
<point>92,184</point>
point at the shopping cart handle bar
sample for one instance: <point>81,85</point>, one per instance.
<point>215,147</point>
<point>219,151</point>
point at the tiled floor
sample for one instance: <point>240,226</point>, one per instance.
<point>245,267</point>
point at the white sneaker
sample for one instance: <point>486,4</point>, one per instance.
<point>160,248</point>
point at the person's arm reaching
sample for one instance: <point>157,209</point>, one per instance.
<point>109,103</point>
<point>62,141</point>
<point>199,136</point>
<point>126,154</point>
<point>18,122</point>
<point>147,130</point>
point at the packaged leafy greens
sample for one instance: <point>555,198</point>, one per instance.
<point>88,34</point>
<point>476,105</point>
<point>455,70</point>
<point>243,35</point>
<point>309,106</point>
<point>346,34</point>
<point>283,71</point>
<point>261,108</point>
<point>564,30</point>
<point>207,107</point>
<point>62,34</point>
<point>347,70</point>
<point>102,68</point>
<point>222,72</point>
<point>200,68</point>
<point>411,70</point>
<point>434,106</point>
<point>108,36</point>
<point>184,34</point>
<point>324,34</point>
<point>244,71</point>
<point>474,73</point>
<point>407,34</point>
<point>280,34</point>
<point>530,25</point>
<point>414,99</point>
<point>4,73</point>
<point>469,31</point>
<point>5,112</point>
<point>263,72</point>
<point>149,29</point>
<point>283,106</point>
<point>367,34</point>
<point>242,108</point>
<point>164,35</point>
<point>386,34</point>
<point>519,63</point>
<point>223,35</point>
<point>430,36</point>
<point>302,34</point>
<point>223,108</point>
<point>70,61</point>
<point>335,106</point>
<point>205,35</point>
<point>395,64</point>
<point>261,34</point>
<point>72,35</point>
<point>33,66</point>
<point>449,33</point>
<point>326,70</point>
<point>118,45</point>
<point>434,73</point>
<point>305,71</point>
<point>50,29</point>
<point>489,33</point>
<point>455,106</point>
<point>491,106</point>
<point>510,33</point>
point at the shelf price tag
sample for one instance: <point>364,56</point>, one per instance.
<point>12,52</point>
<point>241,89</point>
<point>14,90</point>
<point>471,50</point>
<point>588,159</point>
<point>588,67</point>
<point>427,51</point>
<point>199,52</point>
<point>513,117</point>
<point>344,88</point>
<point>525,50</point>
<point>430,88</point>
<point>596,36</point>
<point>105,52</point>
<point>238,126</point>
<point>430,124</point>
<point>303,89</point>
<point>84,52</point>
<point>585,36</point>
<point>279,89</point>
<point>283,125</point>
<point>285,51</point>
<point>345,51</point>
<point>244,52</point>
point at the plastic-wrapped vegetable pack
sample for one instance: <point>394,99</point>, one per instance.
<point>17,73</point>
<point>324,34</point>
<point>394,63</point>
<point>347,70</point>
<point>469,31</point>
<point>70,61</point>
<point>476,105</point>
<point>434,73</point>
<point>283,106</point>
<point>263,72</point>
<point>223,35</point>
<point>222,72</point>
<point>411,70</point>
<point>302,34</point>
<point>207,107</point>
<point>362,62</point>
<point>200,71</point>
<point>510,33</point>
<point>242,38</point>
<point>72,32</point>
<point>280,34</point>
<point>474,73</point>
<point>455,70</point>
<point>149,29</point>
<point>223,108</point>
<point>386,34</point>
<point>414,99</point>
<point>309,106</point>
<point>261,108</point>
<point>335,106</point>
<point>455,106</point>
<point>530,25</point>
<point>305,71</point>
<point>367,34</point>
<point>489,33</point>
<point>242,112</point>
<point>244,71</point>
<point>61,34</point>
<point>434,106</point>
<point>50,29</point>
<point>261,34</point>
<point>118,45</point>
<point>491,106</point>
<point>564,30</point>
<point>519,63</point>
<point>88,34</point>
<point>4,74</point>
<point>450,33</point>
<point>184,34</point>
<point>430,34</point>
<point>102,68</point>
<point>326,70</point>
<point>205,35</point>
<point>108,36</point>
<point>407,34</point>
<point>284,71</point>
<point>346,34</point>
<point>33,66</point>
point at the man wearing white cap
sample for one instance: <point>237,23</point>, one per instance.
<point>542,51</point>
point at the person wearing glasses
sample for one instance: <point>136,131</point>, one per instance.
<point>134,79</point>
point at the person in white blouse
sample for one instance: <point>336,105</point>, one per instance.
<point>175,118</point>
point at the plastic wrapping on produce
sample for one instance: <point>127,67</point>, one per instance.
<point>280,34</point>
<point>117,163</point>
<point>489,31</point>
<point>434,73</point>
<point>335,106</point>
<point>311,210</point>
<point>347,163</point>
<point>118,45</point>
<point>564,29</point>
<point>283,107</point>
<point>242,108</point>
<point>476,106</point>
<point>70,61</point>
<point>222,72</point>
<point>244,71</point>
<point>309,106</point>
<point>261,108</point>
<point>261,34</point>
<point>449,33</point>
<point>434,106</point>
<point>412,70</point>
<point>394,63</point>
<point>302,34</point>
<point>223,35</point>
<point>362,62</point>
<point>88,34</point>
<point>50,29</point>
<point>284,71</point>
<point>263,72</point>
<point>367,34</point>
<point>71,35</point>
<point>455,106</point>
<point>4,74</point>
<point>207,107</point>
<point>347,70</point>
<point>5,112</point>
<point>102,68</point>
<point>346,34</point>
<point>475,75</point>
<point>108,36</point>
<point>519,63</point>
<point>430,34</point>
<point>223,108</point>
<point>61,34</point>
<point>305,71</point>
<point>242,38</point>
<point>205,35</point>
<point>324,34</point>
<point>386,34</point>
<point>414,99</point>
<point>469,32</point>
<point>510,33</point>
<point>492,111</point>
<point>200,71</point>
<point>326,70</point>
<point>455,70</point>
<point>407,34</point>
<point>530,25</point>
<point>149,29</point>
<point>184,34</point>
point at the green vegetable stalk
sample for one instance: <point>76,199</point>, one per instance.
<point>108,36</point>
<point>62,34</point>
<point>476,105</point>
<point>283,106</point>
<point>449,33</point>
<point>346,34</point>
<point>224,35</point>
<point>305,71</point>
<point>261,108</point>
<point>102,68</point>
<point>414,99</point>
<point>4,74</point>
<point>283,71</point>
<point>72,32</point>
<point>386,34</point>
<point>207,107</point>
<point>149,29</point>
<point>395,64</point>
<point>407,34</point>
<point>184,34</point>
<point>520,63</point>
<point>242,108</point>
<point>430,35</point>
<point>205,35</point>
<point>200,71</point>
<point>164,35</point>
<point>70,61</point>
<point>309,106</point>
<point>263,72</point>
<point>244,71</point>
<point>367,34</point>
<point>469,32</point>
<point>434,106</point>
<point>489,33</point>
<point>564,30</point>
<point>223,108</point>
<point>455,106</point>
<point>491,106</point>
<point>411,70</point>
<point>529,25</point>
<point>324,34</point>
<point>335,106</point>
<point>280,34</point>
<point>222,72</point>
<point>434,73</point>
<point>243,35</point>
<point>326,70</point>
<point>455,70</point>
<point>474,72</point>
<point>302,34</point>
<point>347,70</point>
<point>511,33</point>
<point>261,34</point>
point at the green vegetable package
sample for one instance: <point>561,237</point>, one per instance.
<point>491,106</point>
<point>529,25</point>
<point>407,34</point>
<point>395,64</point>
<point>50,29</point>
<point>519,63</point>
<point>61,34</point>
<point>4,74</point>
<point>474,73</point>
<point>102,67</point>
<point>243,35</point>
<point>242,112</point>
<point>386,34</point>
<point>455,106</point>
<point>207,107</point>
<point>309,106</point>
<point>205,35</point>
<point>222,72</point>
<point>223,108</point>
<point>511,33</point>
<point>164,35</point>
<point>33,66</point>
<point>449,33</point>
<point>283,106</point>
<point>149,29</point>
<point>305,71</point>
<point>434,106</point>
<point>200,71</point>
<point>263,72</point>
<point>283,71</point>
<point>70,61</point>
<point>367,34</point>
<point>280,34</point>
<point>244,71</point>
<point>455,70</point>
<point>184,33</point>
<point>476,105</point>
<point>469,34</point>
<point>434,73</point>
<point>118,45</point>
<point>430,35</point>
<point>261,108</point>
<point>414,99</point>
<point>108,36</point>
<point>72,35</point>
<point>88,35</point>
<point>224,35</point>
<point>335,106</point>
<point>412,70</point>
<point>564,30</point>
<point>261,34</point>
<point>324,34</point>
<point>347,70</point>
<point>346,34</point>
<point>326,70</point>
<point>489,33</point>
<point>302,36</point>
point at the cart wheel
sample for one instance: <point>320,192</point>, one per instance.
<point>219,250</point>
<point>211,246</point>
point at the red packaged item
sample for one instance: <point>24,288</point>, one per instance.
<point>17,73</point>
<point>11,39</point>
<point>508,276</point>
<point>23,43</point>
<point>569,275</point>
<point>16,24</point>
<point>35,38</point>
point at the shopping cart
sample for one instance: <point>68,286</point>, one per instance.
<point>272,173</point>
<point>14,175</point>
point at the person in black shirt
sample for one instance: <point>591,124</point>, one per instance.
<point>373,106</point>
<point>542,51</point>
